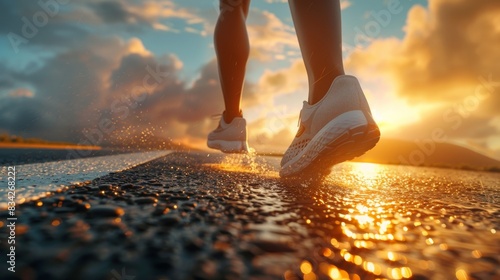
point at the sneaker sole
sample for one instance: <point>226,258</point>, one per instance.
<point>232,147</point>
<point>343,138</point>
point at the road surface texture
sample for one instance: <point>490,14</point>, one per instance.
<point>35,180</point>
<point>27,156</point>
<point>212,216</point>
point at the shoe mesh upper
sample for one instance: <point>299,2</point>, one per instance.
<point>344,95</point>
<point>298,144</point>
<point>234,131</point>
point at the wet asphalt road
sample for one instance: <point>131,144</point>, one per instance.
<point>35,180</point>
<point>28,156</point>
<point>210,216</point>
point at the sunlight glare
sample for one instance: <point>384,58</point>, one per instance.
<point>245,163</point>
<point>367,173</point>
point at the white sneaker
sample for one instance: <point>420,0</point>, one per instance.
<point>229,138</point>
<point>337,128</point>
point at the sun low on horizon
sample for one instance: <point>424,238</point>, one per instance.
<point>107,71</point>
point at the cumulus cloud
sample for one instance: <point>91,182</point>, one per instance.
<point>448,52</point>
<point>54,24</point>
<point>344,4</point>
<point>269,36</point>
<point>89,81</point>
<point>92,84</point>
<point>149,13</point>
<point>446,64</point>
<point>109,89</point>
<point>272,133</point>
<point>276,125</point>
<point>129,11</point>
<point>21,93</point>
<point>284,81</point>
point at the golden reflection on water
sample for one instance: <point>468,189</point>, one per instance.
<point>376,233</point>
<point>368,173</point>
<point>365,226</point>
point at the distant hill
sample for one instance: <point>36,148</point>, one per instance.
<point>394,151</point>
<point>131,142</point>
<point>14,139</point>
<point>17,142</point>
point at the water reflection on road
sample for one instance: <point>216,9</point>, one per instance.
<point>370,221</point>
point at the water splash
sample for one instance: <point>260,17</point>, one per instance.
<point>246,163</point>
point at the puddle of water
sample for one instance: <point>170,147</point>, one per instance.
<point>401,222</point>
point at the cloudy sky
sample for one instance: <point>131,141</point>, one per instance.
<point>98,70</point>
